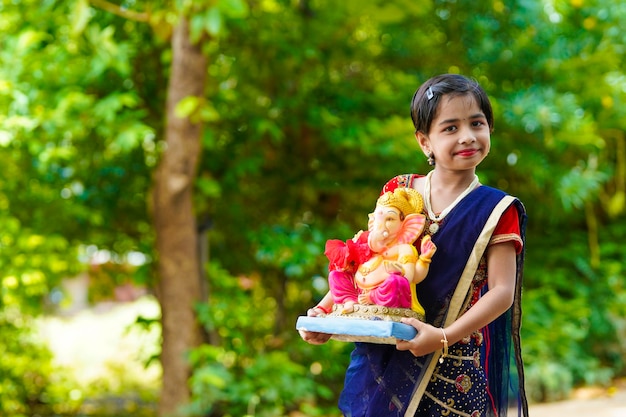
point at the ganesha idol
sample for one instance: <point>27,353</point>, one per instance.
<point>381,266</point>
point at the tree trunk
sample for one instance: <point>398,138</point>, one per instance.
<point>175,223</point>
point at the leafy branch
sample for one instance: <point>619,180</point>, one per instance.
<point>121,11</point>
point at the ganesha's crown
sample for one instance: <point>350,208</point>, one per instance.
<point>407,200</point>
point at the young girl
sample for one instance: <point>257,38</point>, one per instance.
<point>458,364</point>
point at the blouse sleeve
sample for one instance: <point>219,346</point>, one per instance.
<point>508,229</point>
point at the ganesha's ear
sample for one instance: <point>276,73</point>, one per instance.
<point>412,227</point>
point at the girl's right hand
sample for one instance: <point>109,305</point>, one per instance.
<point>427,340</point>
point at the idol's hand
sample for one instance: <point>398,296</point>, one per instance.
<point>364,298</point>
<point>427,340</point>
<point>314,338</point>
<point>427,248</point>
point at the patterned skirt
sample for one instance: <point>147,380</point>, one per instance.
<point>380,382</point>
<point>458,386</point>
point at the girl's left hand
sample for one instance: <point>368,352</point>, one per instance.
<point>314,338</point>
<point>427,340</point>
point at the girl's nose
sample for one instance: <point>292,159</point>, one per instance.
<point>467,136</point>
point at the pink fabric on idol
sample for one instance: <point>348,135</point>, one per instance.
<point>342,287</point>
<point>395,291</point>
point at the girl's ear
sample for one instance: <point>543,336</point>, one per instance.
<point>424,142</point>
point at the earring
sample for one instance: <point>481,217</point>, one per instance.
<point>431,159</point>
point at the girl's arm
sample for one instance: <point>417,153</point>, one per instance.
<point>501,272</point>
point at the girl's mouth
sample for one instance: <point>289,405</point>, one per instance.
<point>467,152</point>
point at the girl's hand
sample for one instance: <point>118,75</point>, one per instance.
<point>314,338</point>
<point>427,340</point>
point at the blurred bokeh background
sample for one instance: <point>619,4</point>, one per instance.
<point>155,253</point>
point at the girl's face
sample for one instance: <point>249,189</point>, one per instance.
<point>459,135</point>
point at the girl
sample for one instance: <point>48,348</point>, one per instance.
<point>458,363</point>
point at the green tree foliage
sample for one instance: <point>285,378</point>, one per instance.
<point>307,115</point>
<point>29,384</point>
<point>77,152</point>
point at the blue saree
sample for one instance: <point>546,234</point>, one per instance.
<point>475,379</point>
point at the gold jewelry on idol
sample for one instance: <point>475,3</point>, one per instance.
<point>424,261</point>
<point>408,259</point>
<point>370,265</point>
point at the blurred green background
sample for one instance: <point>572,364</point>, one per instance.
<point>304,116</point>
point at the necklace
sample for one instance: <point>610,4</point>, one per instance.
<point>434,218</point>
<point>370,265</point>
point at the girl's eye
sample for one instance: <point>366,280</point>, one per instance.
<point>450,129</point>
<point>477,123</point>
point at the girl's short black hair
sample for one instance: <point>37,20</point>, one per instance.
<point>426,99</point>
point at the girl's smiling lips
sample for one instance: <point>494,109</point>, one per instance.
<point>467,152</point>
